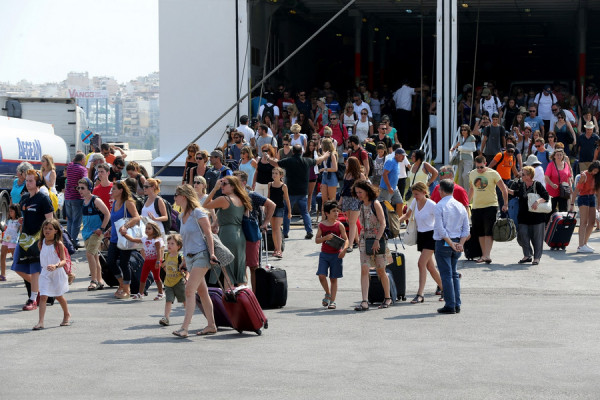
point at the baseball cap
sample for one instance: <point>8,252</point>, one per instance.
<point>217,153</point>
<point>322,99</point>
<point>510,147</point>
<point>486,92</point>
<point>400,151</point>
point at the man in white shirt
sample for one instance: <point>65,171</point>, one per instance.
<point>451,231</point>
<point>245,129</point>
<point>360,105</point>
<point>544,101</point>
<point>489,103</point>
<point>569,117</point>
<point>403,98</point>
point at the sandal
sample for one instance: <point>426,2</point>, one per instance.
<point>2,278</point>
<point>118,292</point>
<point>418,299</point>
<point>326,300</point>
<point>488,261</point>
<point>360,307</point>
<point>535,262</point>
<point>123,296</point>
<point>442,296</point>
<point>278,254</point>
<point>385,304</point>
<point>100,286</point>
<point>206,332</point>
<point>480,260</point>
<point>159,296</point>
<point>525,260</point>
<point>137,296</point>
<point>181,333</point>
<point>93,286</point>
<point>164,321</point>
<point>38,327</point>
<point>66,323</point>
<point>332,306</point>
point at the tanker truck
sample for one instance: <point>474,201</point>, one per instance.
<point>24,140</point>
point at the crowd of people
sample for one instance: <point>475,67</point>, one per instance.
<point>318,159</point>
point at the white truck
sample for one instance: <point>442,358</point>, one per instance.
<point>64,114</point>
<point>22,140</point>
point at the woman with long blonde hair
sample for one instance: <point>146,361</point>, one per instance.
<point>198,250</point>
<point>329,180</point>
<point>48,171</point>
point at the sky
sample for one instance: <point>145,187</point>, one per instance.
<point>43,40</point>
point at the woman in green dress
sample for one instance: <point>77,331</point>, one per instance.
<point>231,207</point>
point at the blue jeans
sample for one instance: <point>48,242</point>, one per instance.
<point>302,201</point>
<point>446,259</point>
<point>74,212</point>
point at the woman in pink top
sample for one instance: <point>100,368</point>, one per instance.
<point>558,171</point>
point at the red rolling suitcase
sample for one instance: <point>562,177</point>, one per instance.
<point>343,218</point>
<point>242,307</point>
<point>221,317</point>
<point>560,229</point>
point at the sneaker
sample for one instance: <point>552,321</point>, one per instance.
<point>30,305</point>
<point>588,248</point>
<point>349,250</point>
<point>309,235</point>
<point>584,249</point>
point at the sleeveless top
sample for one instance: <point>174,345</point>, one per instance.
<point>326,230</point>
<point>249,169</point>
<point>264,173</point>
<point>232,215</point>
<point>92,218</point>
<point>151,209</point>
<point>277,196</point>
<point>369,222</point>
<point>46,178</point>
<point>419,176</point>
<point>347,188</point>
<point>116,215</point>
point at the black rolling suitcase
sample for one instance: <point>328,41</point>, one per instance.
<point>398,270</point>
<point>271,285</point>
<point>472,247</point>
<point>136,262</point>
<point>376,293</point>
<point>107,275</point>
<point>269,242</point>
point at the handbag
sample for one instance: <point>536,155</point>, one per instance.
<point>250,228</point>
<point>543,208</point>
<point>454,160</point>
<point>136,231</point>
<point>223,254</point>
<point>410,236</point>
<point>504,230</point>
<point>369,246</point>
<point>565,189</point>
<point>29,251</point>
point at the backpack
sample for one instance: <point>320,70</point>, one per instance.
<point>168,224</point>
<point>268,110</point>
<point>139,202</point>
<point>392,220</point>
<point>496,102</point>
<point>69,265</point>
<point>67,241</point>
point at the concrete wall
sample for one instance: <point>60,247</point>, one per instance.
<point>197,42</point>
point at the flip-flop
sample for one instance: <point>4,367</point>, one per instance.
<point>180,333</point>
<point>37,328</point>
<point>66,323</point>
<point>206,333</point>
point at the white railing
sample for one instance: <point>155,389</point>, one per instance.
<point>426,145</point>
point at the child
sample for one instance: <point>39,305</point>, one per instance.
<point>278,193</point>
<point>174,266</point>
<point>53,279</point>
<point>152,253</point>
<point>11,237</point>
<point>330,258</point>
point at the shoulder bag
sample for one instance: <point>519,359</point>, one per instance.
<point>223,254</point>
<point>369,241</point>
<point>565,188</point>
<point>250,228</point>
<point>410,236</point>
<point>543,208</point>
<point>136,231</point>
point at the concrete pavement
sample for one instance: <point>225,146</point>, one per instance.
<point>524,332</point>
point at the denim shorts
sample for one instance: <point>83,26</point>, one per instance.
<point>279,212</point>
<point>26,268</point>
<point>332,263</point>
<point>586,200</point>
<point>198,260</point>
<point>330,179</point>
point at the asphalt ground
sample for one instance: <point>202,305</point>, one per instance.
<point>524,332</point>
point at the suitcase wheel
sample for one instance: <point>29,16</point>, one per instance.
<point>258,332</point>
<point>267,325</point>
<point>239,331</point>
<point>403,298</point>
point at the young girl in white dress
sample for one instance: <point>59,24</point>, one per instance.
<point>53,279</point>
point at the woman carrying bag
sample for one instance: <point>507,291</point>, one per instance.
<point>423,210</point>
<point>123,207</point>
<point>533,210</point>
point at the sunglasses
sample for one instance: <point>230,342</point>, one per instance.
<point>442,173</point>
<point>147,186</point>
<point>364,113</point>
<point>225,183</point>
<point>333,119</point>
<point>81,188</point>
<point>532,111</point>
<point>199,158</point>
<point>481,167</point>
<point>554,109</point>
<point>198,183</point>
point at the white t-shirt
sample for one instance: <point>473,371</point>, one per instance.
<point>363,106</point>
<point>403,98</point>
<point>491,106</point>
<point>275,110</point>
<point>301,141</point>
<point>247,131</point>
<point>425,217</point>
<point>362,130</point>
<point>150,248</point>
<point>544,103</point>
